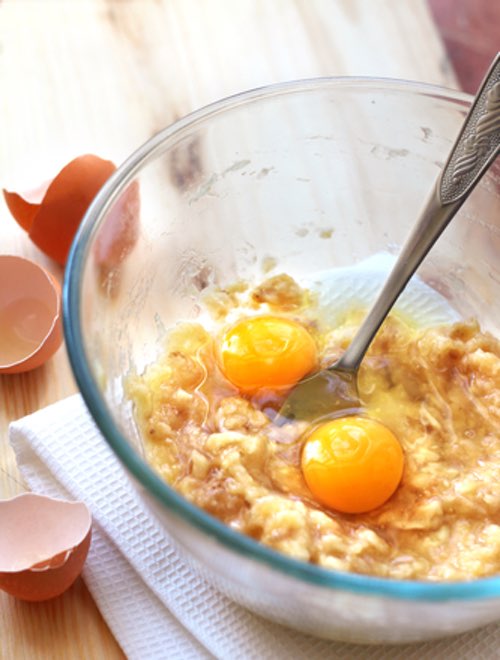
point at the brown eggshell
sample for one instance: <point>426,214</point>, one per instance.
<point>24,207</point>
<point>65,202</point>
<point>43,545</point>
<point>30,315</point>
<point>53,225</point>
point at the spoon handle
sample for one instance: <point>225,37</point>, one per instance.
<point>475,148</point>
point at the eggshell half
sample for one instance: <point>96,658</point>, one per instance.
<point>30,314</point>
<point>52,223</point>
<point>43,545</point>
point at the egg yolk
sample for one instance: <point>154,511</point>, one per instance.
<point>266,352</point>
<point>352,464</point>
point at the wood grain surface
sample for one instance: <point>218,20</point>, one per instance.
<point>102,76</point>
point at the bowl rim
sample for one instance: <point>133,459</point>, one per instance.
<point>417,590</point>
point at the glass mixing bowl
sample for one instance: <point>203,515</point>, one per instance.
<point>295,178</point>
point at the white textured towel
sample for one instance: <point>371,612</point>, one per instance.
<point>155,606</point>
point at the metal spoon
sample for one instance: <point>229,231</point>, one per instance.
<point>333,391</point>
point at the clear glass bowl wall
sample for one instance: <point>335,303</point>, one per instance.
<point>298,178</point>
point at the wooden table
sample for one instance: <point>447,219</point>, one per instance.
<point>102,76</point>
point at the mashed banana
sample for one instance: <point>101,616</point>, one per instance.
<point>437,389</point>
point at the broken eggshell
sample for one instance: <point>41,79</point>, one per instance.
<point>30,314</point>
<point>52,215</point>
<point>43,545</point>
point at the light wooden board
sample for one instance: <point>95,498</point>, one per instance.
<point>102,76</point>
